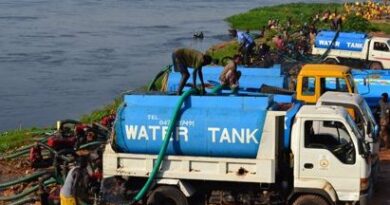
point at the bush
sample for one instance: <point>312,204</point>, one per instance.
<point>357,24</point>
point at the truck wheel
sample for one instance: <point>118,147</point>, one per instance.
<point>331,61</point>
<point>310,200</point>
<point>167,195</point>
<point>376,66</point>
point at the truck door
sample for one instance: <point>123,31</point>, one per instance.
<point>327,153</point>
<point>380,53</point>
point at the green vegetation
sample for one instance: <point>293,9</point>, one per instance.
<point>97,115</point>
<point>17,138</point>
<point>298,12</point>
<point>381,26</point>
<point>356,23</point>
<point>221,50</point>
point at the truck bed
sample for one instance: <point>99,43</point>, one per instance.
<point>189,168</point>
<point>340,53</point>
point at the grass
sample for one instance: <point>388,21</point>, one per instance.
<point>97,114</point>
<point>221,50</point>
<point>17,138</point>
<point>381,26</point>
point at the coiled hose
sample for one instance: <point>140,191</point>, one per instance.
<point>22,151</point>
<point>164,146</point>
<point>24,179</point>
<point>28,191</point>
<point>24,200</point>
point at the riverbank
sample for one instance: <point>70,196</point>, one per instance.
<point>298,17</point>
<point>253,20</point>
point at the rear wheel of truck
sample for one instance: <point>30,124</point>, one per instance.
<point>331,61</point>
<point>310,200</point>
<point>376,66</point>
<point>167,195</point>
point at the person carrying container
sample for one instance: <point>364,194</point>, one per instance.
<point>246,45</point>
<point>230,76</point>
<point>185,57</point>
<point>384,106</point>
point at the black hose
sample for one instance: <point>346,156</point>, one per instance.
<point>84,146</point>
<point>27,191</point>
<point>324,55</point>
<point>23,179</point>
<point>275,90</point>
<point>21,151</point>
<point>24,201</point>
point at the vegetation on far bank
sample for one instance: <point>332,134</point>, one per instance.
<point>300,13</point>
<point>256,18</point>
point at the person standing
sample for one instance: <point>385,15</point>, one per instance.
<point>230,76</point>
<point>185,57</point>
<point>246,45</point>
<point>384,106</point>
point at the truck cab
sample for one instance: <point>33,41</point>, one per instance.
<point>379,53</point>
<point>329,154</point>
<point>315,79</point>
<point>364,119</point>
<point>359,111</point>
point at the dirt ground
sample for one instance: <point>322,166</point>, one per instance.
<point>382,194</point>
<point>13,169</point>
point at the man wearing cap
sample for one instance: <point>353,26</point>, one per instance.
<point>185,57</point>
<point>384,106</point>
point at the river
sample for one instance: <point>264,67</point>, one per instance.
<point>61,59</point>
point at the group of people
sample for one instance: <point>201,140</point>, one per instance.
<point>183,58</point>
<point>369,10</point>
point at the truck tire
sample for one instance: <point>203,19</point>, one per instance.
<point>331,61</point>
<point>376,66</point>
<point>310,199</point>
<point>167,195</point>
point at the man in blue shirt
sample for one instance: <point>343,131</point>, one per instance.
<point>246,45</point>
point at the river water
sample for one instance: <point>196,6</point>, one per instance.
<point>60,59</point>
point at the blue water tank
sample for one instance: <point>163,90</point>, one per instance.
<point>371,84</point>
<point>357,35</point>
<point>218,126</point>
<point>345,41</point>
<point>250,77</point>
